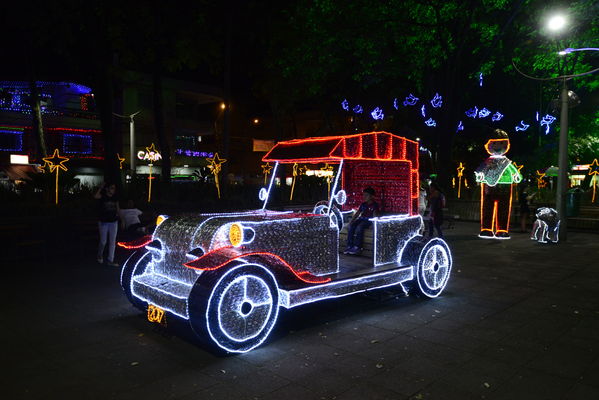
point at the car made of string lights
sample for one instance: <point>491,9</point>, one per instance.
<point>227,275</point>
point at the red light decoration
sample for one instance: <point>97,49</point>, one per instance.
<point>220,257</point>
<point>136,243</point>
<point>388,163</point>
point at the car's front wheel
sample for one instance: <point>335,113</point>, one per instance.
<point>241,309</point>
<point>135,265</point>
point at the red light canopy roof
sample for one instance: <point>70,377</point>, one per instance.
<point>375,146</point>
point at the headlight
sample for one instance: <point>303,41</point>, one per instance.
<point>160,219</point>
<point>236,234</point>
<point>239,234</point>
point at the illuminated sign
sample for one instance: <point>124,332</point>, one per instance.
<point>151,154</point>
<point>19,159</point>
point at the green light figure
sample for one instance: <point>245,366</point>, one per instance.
<point>496,176</point>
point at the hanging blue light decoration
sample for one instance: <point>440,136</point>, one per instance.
<point>395,105</point>
<point>410,100</point>
<point>480,79</point>
<point>437,101</point>
<point>497,116</point>
<point>377,113</point>
<point>547,120</point>
<point>430,122</point>
<point>484,113</point>
<point>423,111</point>
<point>358,109</point>
<point>537,115</point>
<point>460,127</point>
<point>345,105</point>
<point>522,126</point>
<point>472,113</point>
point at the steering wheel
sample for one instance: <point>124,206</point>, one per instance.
<point>322,207</point>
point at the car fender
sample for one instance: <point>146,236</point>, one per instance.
<point>229,256</point>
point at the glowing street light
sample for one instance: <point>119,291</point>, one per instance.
<point>556,23</point>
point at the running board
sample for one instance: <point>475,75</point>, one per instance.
<point>344,287</point>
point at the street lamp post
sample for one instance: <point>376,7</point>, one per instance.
<point>556,23</point>
<point>131,140</point>
<point>562,177</point>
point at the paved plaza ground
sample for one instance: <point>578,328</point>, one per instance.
<point>518,320</point>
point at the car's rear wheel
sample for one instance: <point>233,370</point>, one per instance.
<point>241,309</point>
<point>135,265</point>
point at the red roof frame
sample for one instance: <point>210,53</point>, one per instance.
<point>374,146</point>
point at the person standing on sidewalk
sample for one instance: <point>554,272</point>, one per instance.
<point>108,221</point>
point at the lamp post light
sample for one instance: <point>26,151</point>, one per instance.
<point>555,24</point>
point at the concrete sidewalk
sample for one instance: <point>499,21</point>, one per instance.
<point>518,320</point>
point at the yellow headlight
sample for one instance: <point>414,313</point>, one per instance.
<point>160,219</point>
<point>236,234</point>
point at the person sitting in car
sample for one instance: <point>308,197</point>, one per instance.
<point>360,221</point>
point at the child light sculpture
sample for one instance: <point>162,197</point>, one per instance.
<point>214,163</point>
<point>55,163</point>
<point>496,176</point>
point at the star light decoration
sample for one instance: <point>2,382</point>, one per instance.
<point>151,155</point>
<point>121,160</point>
<point>56,163</point>
<point>295,173</point>
<point>594,173</point>
<point>358,109</point>
<point>430,122</point>
<point>214,164</point>
<point>460,170</point>
<point>540,181</point>
<point>326,168</point>
<point>518,167</point>
<point>266,169</point>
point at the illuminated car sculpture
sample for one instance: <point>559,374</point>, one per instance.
<point>228,274</point>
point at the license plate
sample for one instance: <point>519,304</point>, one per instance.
<point>156,314</point>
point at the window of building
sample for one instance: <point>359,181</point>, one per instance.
<point>76,144</point>
<point>11,139</point>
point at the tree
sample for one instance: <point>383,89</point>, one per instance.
<point>327,50</point>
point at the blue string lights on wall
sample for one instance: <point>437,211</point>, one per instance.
<point>76,144</point>
<point>11,139</point>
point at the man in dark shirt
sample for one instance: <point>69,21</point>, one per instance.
<point>360,221</point>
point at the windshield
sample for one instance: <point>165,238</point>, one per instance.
<point>300,184</point>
